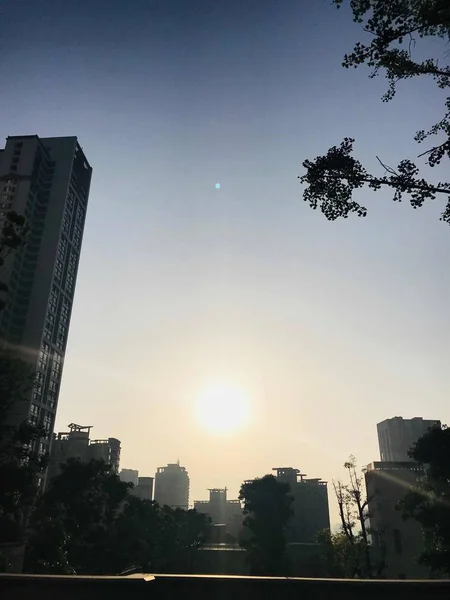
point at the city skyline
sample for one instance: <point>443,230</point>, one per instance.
<point>326,328</point>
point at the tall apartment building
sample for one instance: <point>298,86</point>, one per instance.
<point>396,436</point>
<point>310,505</point>
<point>172,486</point>
<point>47,180</point>
<point>76,443</point>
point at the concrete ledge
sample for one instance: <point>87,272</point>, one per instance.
<point>206,587</point>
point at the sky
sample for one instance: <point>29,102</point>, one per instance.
<point>326,328</point>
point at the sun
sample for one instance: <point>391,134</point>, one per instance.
<point>223,408</point>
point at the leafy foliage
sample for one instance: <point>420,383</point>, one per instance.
<point>20,463</point>
<point>332,179</point>
<point>267,510</point>
<point>88,523</point>
<point>341,558</point>
<point>429,503</point>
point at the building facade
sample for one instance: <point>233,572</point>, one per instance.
<point>396,436</point>
<point>310,505</point>
<point>129,476</point>
<point>47,180</point>
<point>223,512</point>
<point>396,543</point>
<point>144,488</point>
<point>76,444</point>
<point>172,486</point>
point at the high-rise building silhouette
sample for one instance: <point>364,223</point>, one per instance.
<point>396,436</point>
<point>142,486</point>
<point>224,513</point>
<point>129,476</point>
<point>46,180</point>
<point>310,505</point>
<point>172,486</point>
<point>76,443</point>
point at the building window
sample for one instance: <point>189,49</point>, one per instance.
<point>52,393</point>
<point>58,269</point>
<point>56,366</point>
<point>66,224</point>
<point>69,283</point>
<point>34,414</point>
<point>80,216</point>
<point>38,386</point>
<point>70,200</point>
<point>65,310</point>
<point>76,238</point>
<point>43,356</point>
<point>46,421</point>
<point>62,249</point>
<point>49,325</point>
<point>53,301</point>
<point>61,337</point>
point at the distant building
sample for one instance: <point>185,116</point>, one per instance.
<point>396,436</point>
<point>223,512</point>
<point>310,505</point>
<point>77,444</point>
<point>129,476</point>
<point>172,486</point>
<point>144,488</point>
<point>107,450</point>
<point>395,542</point>
<point>47,180</point>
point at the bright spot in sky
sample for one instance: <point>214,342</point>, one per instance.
<point>223,408</point>
<point>217,186</point>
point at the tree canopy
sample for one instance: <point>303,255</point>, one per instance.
<point>394,27</point>
<point>267,510</point>
<point>88,523</point>
<point>20,461</point>
<point>429,503</point>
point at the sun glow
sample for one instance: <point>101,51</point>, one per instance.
<point>223,408</point>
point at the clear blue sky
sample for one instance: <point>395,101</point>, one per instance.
<point>326,327</point>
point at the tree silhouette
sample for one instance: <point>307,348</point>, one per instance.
<point>20,461</point>
<point>394,27</point>
<point>88,523</point>
<point>354,515</point>
<point>267,510</point>
<point>73,523</point>
<point>429,502</point>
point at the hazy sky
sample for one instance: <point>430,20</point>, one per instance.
<point>327,327</point>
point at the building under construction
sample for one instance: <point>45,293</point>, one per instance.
<point>76,443</point>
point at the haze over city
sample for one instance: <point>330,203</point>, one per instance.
<point>190,296</point>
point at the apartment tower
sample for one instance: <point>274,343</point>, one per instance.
<point>47,180</point>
